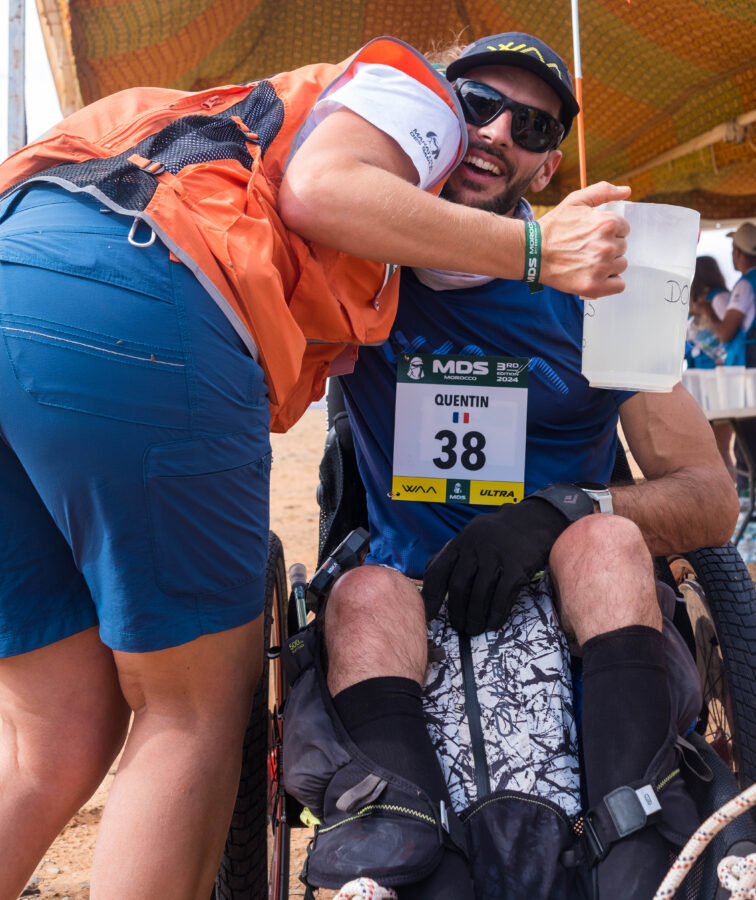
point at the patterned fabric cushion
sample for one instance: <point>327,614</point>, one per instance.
<point>524,688</point>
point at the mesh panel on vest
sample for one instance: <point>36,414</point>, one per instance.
<point>187,141</point>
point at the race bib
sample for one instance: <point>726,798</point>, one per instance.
<point>459,429</point>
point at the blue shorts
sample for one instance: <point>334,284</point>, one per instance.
<point>134,439</point>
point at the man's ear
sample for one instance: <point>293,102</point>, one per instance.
<point>546,172</point>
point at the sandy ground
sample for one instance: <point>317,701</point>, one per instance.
<point>64,871</point>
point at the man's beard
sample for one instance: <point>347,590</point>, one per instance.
<point>502,203</point>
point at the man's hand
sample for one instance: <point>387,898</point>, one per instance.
<point>485,565</point>
<point>583,248</point>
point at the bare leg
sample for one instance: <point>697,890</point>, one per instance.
<point>374,626</point>
<point>607,593</point>
<point>376,639</point>
<point>165,823</point>
<point>604,577</point>
<point>63,722</point>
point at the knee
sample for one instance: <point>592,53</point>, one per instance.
<point>374,627</point>
<point>375,597</point>
<point>596,541</point>
<point>603,576</point>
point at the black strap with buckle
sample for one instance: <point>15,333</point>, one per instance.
<point>623,811</point>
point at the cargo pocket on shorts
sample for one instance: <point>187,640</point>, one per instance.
<point>208,507</point>
<point>74,368</point>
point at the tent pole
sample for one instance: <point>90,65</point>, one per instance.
<point>726,132</point>
<point>578,90</point>
<point>16,76</point>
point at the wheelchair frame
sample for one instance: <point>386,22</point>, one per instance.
<point>250,851</point>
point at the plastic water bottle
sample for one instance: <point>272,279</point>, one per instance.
<point>710,345</point>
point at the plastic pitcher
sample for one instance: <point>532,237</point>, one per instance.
<point>636,339</point>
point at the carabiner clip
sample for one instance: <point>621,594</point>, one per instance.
<point>132,235</point>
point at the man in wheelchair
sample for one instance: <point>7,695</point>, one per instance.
<point>482,585</point>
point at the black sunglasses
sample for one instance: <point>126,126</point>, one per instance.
<point>532,129</point>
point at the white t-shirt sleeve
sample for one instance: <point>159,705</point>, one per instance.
<point>412,114</point>
<point>719,303</point>
<point>742,299</point>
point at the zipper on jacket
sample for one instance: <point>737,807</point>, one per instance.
<point>472,708</point>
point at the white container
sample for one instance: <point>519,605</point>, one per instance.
<point>750,387</point>
<point>709,390</point>
<point>636,339</point>
<point>691,379</point>
<point>731,386</point>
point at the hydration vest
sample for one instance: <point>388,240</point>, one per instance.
<point>750,350</point>
<point>203,170</point>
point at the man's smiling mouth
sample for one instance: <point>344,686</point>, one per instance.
<point>482,164</point>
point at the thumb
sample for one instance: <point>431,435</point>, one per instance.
<point>601,192</point>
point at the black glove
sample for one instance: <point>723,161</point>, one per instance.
<point>483,568</point>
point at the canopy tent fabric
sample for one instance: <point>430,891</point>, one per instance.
<point>669,86</point>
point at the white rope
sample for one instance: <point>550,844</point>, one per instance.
<point>732,867</point>
<point>365,889</point>
<point>738,875</point>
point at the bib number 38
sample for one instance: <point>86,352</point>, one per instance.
<point>460,429</point>
<point>471,457</point>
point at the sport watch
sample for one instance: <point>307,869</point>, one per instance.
<point>569,499</point>
<point>599,493</point>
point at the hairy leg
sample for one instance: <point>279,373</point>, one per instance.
<point>604,577</point>
<point>607,592</point>
<point>374,626</point>
<point>376,640</point>
<point>166,819</point>
<point>63,721</point>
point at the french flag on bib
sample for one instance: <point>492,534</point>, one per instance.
<point>465,418</point>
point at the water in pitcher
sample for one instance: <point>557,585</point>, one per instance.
<point>637,338</point>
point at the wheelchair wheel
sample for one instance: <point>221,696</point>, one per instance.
<point>717,720</point>
<point>243,873</point>
<point>278,827</point>
<point>727,636</point>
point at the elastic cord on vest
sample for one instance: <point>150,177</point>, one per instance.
<point>533,256</point>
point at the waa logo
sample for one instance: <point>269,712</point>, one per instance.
<point>419,489</point>
<point>460,367</point>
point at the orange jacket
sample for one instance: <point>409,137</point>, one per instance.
<point>203,170</point>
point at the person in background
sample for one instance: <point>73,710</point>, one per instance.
<point>741,314</point>
<point>743,294</point>
<point>708,304</point>
<point>735,326</point>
